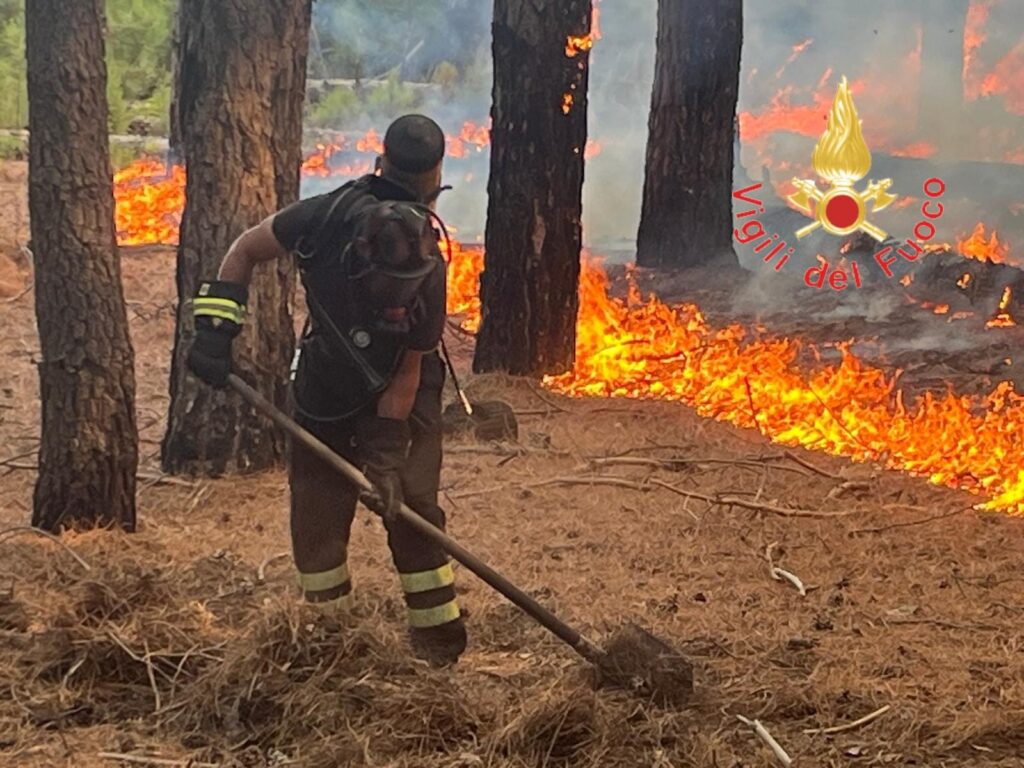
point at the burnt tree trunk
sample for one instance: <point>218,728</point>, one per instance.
<point>686,218</point>
<point>528,288</point>
<point>240,113</point>
<point>88,453</point>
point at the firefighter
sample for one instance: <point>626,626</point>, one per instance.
<point>368,379</point>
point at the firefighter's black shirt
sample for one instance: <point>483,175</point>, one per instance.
<point>319,236</point>
<point>317,230</point>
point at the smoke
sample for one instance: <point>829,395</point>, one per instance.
<point>924,111</point>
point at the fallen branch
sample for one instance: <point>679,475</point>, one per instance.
<point>754,505</point>
<point>20,295</point>
<point>922,521</point>
<point>548,401</point>
<point>261,572</point>
<point>159,478</point>
<point>804,463</point>
<point>767,738</point>
<point>677,464</point>
<point>645,486</point>
<point>146,760</point>
<point>779,574</point>
<point>850,726</point>
<point>12,459</point>
<point>10,533</point>
<point>619,482</point>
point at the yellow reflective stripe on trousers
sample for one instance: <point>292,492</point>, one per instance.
<point>424,581</point>
<point>324,580</point>
<point>432,617</point>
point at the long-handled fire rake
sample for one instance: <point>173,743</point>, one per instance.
<point>633,659</point>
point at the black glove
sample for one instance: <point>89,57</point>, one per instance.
<point>384,446</point>
<point>219,310</point>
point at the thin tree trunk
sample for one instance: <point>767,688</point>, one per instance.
<point>533,235</point>
<point>88,453</point>
<point>243,66</point>
<point>686,218</point>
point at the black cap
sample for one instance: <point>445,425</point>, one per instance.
<point>414,144</point>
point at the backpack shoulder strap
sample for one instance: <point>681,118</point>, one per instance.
<point>351,199</point>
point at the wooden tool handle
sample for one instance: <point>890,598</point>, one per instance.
<point>535,610</point>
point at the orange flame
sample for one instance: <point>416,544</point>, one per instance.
<point>795,53</point>
<point>1007,80</point>
<point>464,284</point>
<point>974,36</point>
<point>577,44</point>
<point>149,198</point>
<point>977,247</point>
<point>1003,319</point>
<point>919,149</point>
<point>648,350</point>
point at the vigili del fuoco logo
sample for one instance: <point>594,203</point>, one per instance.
<point>841,158</point>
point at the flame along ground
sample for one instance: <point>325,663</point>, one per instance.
<point>649,350</point>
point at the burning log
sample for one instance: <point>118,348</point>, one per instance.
<point>973,277</point>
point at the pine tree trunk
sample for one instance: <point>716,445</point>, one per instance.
<point>88,455</point>
<point>539,116</point>
<point>686,218</point>
<point>243,65</point>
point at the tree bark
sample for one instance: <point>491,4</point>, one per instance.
<point>686,217</point>
<point>88,453</point>
<point>242,75</point>
<point>529,285</point>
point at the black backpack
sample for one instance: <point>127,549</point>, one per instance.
<point>343,362</point>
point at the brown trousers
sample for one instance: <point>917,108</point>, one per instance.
<point>323,505</point>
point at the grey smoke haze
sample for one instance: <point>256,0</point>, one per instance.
<point>905,57</point>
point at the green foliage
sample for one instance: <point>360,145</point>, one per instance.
<point>334,108</point>
<point>391,99</point>
<point>139,42</point>
<point>13,95</point>
<point>339,107</point>
<point>440,41</point>
<point>126,153</point>
<point>138,62</point>
<point>13,148</point>
<point>446,75</point>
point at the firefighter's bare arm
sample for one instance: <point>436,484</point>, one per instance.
<point>219,306</point>
<point>254,246</point>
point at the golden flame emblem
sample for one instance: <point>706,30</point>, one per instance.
<point>841,157</point>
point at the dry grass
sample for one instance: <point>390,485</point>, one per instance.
<point>171,645</point>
